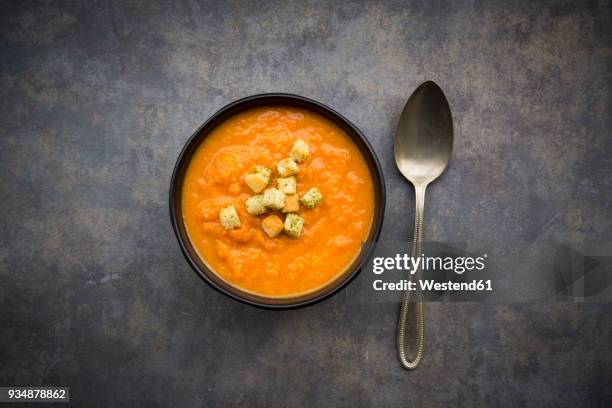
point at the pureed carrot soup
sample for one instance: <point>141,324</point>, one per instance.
<point>277,201</point>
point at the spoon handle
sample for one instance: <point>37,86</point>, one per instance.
<point>410,305</point>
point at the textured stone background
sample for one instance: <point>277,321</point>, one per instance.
<point>98,99</point>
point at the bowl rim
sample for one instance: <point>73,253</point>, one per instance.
<point>290,100</point>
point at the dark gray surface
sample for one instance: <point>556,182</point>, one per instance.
<point>98,99</point>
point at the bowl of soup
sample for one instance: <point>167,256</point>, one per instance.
<point>272,199</point>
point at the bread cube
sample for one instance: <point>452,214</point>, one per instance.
<point>274,199</point>
<point>229,217</point>
<point>312,198</point>
<point>300,151</point>
<point>255,205</point>
<point>293,225</point>
<point>292,204</point>
<point>256,182</point>
<point>264,171</point>
<point>272,225</point>
<point>287,185</point>
<point>287,167</point>
<point>258,179</point>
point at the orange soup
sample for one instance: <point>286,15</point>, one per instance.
<point>246,257</point>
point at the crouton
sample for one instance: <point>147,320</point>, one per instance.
<point>229,217</point>
<point>293,225</point>
<point>258,179</point>
<point>292,204</point>
<point>272,225</point>
<point>264,171</point>
<point>255,205</point>
<point>300,151</point>
<point>312,198</point>
<point>287,167</point>
<point>287,185</point>
<point>274,199</point>
<point>256,182</point>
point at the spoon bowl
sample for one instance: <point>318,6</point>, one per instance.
<point>424,137</point>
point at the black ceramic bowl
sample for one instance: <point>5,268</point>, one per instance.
<point>176,185</point>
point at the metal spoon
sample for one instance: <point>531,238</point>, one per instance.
<point>423,146</point>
